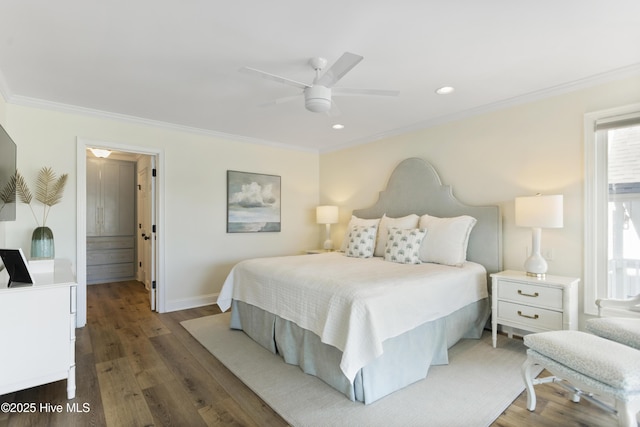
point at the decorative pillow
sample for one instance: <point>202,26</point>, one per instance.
<point>386,223</point>
<point>446,240</point>
<point>361,241</point>
<point>356,221</point>
<point>403,246</point>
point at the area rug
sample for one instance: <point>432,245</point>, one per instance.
<point>477,385</point>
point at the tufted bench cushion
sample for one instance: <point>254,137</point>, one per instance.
<point>623,330</point>
<point>605,361</point>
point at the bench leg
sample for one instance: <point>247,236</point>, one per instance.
<point>627,413</point>
<point>528,382</point>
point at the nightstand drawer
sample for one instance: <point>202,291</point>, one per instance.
<point>541,296</point>
<point>530,316</point>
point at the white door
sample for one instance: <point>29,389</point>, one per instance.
<point>143,228</point>
<point>153,242</point>
<point>146,230</point>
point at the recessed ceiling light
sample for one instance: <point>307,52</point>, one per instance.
<point>444,90</point>
<point>338,126</point>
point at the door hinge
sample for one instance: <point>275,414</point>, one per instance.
<point>153,172</point>
<point>153,284</point>
<point>140,264</point>
<point>153,228</point>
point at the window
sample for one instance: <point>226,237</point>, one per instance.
<point>612,205</point>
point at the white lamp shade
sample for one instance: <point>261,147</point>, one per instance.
<point>327,214</point>
<point>539,211</point>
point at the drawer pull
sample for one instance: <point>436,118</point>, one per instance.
<point>524,294</point>
<point>535,316</point>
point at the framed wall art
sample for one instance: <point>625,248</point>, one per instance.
<point>253,202</point>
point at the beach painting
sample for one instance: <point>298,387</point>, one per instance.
<point>253,202</point>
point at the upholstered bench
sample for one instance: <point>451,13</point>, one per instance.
<point>620,329</point>
<point>591,364</point>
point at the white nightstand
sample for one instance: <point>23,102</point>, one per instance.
<point>532,304</point>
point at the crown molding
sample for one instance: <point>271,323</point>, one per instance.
<point>73,109</point>
<point>586,82</point>
<point>572,86</point>
<point>5,92</point>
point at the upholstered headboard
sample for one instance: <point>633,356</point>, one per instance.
<point>415,187</point>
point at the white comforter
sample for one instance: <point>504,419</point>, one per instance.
<point>353,304</point>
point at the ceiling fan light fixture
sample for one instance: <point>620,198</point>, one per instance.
<point>317,99</point>
<point>101,153</point>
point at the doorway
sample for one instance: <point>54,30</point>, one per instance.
<point>149,235</point>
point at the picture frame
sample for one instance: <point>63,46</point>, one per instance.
<point>253,202</point>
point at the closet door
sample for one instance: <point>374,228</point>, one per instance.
<point>93,197</point>
<point>111,220</point>
<point>118,187</point>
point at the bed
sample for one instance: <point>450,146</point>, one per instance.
<point>371,325</point>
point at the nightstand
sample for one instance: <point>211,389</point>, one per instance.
<point>532,304</point>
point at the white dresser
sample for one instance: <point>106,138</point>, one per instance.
<point>532,304</point>
<point>37,326</point>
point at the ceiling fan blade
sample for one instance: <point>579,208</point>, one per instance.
<point>334,111</point>
<point>281,100</point>
<point>273,77</point>
<point>343,91</point>
<point>342,66</point>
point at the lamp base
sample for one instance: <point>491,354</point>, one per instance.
<point>536,266</point>
<point>328,245</point>
<point>537,275</point>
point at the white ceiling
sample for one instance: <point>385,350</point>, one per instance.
<point>176,62</point>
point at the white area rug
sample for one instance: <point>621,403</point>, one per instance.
<point>479,383</point>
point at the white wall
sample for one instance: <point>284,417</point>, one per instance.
<point>199,252</point>
<point>490,159</point>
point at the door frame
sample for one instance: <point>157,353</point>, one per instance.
<point>82,144</point>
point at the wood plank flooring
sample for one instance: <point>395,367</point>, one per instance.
<point>139,368</point>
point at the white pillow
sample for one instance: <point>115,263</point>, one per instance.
<point>403,246</point>
<point>386,223</point>
<point>356,221</point>
<point>362,240</point>
<point>446,240</point>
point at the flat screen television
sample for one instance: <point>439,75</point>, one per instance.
<point>8,153</point>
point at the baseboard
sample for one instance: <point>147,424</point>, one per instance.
<point>187,303</point>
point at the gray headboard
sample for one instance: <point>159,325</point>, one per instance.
<point>415,187</point>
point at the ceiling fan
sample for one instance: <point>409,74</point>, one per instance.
<point>317,96</point>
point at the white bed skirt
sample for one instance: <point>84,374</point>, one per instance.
<point>406,358</point>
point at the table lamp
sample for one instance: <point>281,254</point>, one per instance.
<point>538,212</point>
<point>327,215</point>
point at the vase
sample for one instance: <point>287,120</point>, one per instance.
<point>42,243</point>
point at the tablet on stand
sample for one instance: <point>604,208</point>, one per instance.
<point>17,267</point>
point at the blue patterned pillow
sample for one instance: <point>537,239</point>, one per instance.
<point>361,241</point>
<point>403,246</point>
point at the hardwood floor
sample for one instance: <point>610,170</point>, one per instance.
<point>138,368</point>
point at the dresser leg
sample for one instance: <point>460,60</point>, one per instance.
<point>71,383</point>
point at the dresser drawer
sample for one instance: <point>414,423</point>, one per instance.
<point>536,317</point>
<point>525,293</point>
<point>114,256</point>
<point>116,242</point>
<point>109,272</point>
